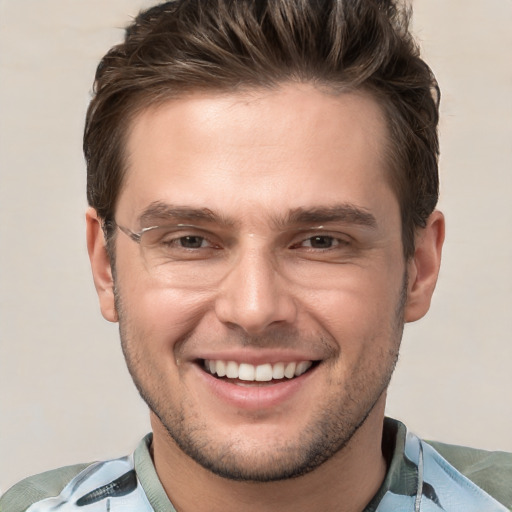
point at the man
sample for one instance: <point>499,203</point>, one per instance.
<point>262,181</point>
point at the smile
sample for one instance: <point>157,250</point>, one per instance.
<point>260,373</point>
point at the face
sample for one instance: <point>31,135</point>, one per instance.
<point>263,325</point>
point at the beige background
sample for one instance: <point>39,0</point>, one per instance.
<point>65,395</point>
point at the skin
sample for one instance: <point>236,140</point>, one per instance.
<point>267,291</point>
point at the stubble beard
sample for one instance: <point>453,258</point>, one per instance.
<point>327,434</point>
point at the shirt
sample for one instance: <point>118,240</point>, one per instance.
<point>419,479</point>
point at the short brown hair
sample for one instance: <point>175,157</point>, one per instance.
<point>229,45</point>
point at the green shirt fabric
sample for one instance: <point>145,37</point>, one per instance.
<point>422,477</point>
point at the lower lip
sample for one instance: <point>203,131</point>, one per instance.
<point>255,397</point>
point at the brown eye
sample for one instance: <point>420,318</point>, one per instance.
<point>191,242</point>
<point>321,242</point>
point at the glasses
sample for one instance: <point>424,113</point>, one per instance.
<point>185,255</point>
<point>181,254</point>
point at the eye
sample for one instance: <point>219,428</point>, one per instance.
<point>176,241</point>
<point>191,242</point>
<point>321,242</point>
<point>175,244</point>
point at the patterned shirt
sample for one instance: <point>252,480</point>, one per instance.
<point>419,479</point>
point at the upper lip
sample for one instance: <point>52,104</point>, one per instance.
<point>258,356</point>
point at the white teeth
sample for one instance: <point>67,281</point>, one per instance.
<point>231,370</point>
<point>289,371</point>
<point>220,368</point>
<point>246,372</point>
<point>261,373</point>
<point>302,367</point>
<point>278,371</point>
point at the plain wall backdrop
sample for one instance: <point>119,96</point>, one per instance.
<point>65,395</point>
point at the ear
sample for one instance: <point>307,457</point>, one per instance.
<point>100,265</point>
<point>423,267</point>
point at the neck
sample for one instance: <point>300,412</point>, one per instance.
<point>345,483</point>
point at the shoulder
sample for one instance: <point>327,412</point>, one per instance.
<point>491,471</point>
<point>98,485</point>
<point>36,488</point>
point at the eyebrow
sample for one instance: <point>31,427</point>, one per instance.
<point>346,212</point>
<point>163,212</point>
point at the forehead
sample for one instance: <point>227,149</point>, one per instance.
<point>293,147</point>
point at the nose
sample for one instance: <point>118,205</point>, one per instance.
<point>254,295</point>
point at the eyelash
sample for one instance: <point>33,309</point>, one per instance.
<point>333,242</point>
<point>179,239</point>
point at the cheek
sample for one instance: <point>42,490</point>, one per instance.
<point>362,291</point>
<point>157,318</point>
<point>359,311</point>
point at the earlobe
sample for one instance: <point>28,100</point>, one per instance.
<point>423,268</point>
<point>100,265</point>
